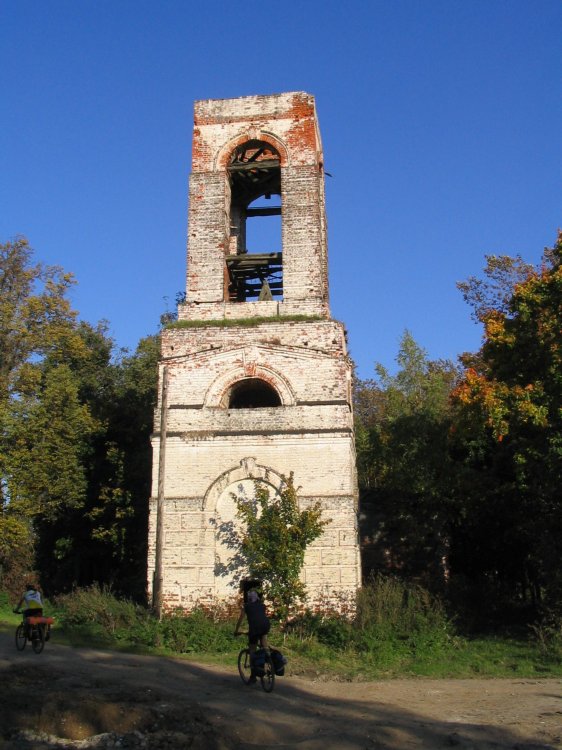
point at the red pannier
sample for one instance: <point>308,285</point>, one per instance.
<point>39,620</point>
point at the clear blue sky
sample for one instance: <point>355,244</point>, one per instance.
<point>441,123</point>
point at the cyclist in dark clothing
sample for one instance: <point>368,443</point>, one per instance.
<point>258,624</point>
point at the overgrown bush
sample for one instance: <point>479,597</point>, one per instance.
<point>391,605</point>
<point>335,632</point>
<point>100,613</point>
<point>5,602</point>
<point>275,539</point>
<point>197,631</point>
<point>406,618</point>
<point>548,635</point>
<point>98,605</point>
<point>390,616</point>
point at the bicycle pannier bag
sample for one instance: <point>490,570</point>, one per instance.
<point>258,662</point>
<point>279,662</point>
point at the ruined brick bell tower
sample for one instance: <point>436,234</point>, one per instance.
<point>255,381</point>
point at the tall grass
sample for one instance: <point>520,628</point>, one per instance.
<point>397,630</point>
<point>393,618</point>
<point>95,614</point>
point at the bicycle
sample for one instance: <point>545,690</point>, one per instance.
<point>266,673</point>
<point>37,630</point>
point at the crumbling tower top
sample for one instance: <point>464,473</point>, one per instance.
<point>256,159</point>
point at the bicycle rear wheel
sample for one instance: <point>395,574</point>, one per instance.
<point>268,677</point>
<point>21,638</point>
<point>244,665</point>
<point>38,638</point>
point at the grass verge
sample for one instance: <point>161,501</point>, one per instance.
<point>394,635</point>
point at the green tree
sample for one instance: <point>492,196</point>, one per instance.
<point>120,477</point>
<point>137,399</point>
<point>510,417</point>
<point>104,540</point>
<point>53,428</point>
<point>405,471</point>
<point>35,318</point>
<point>49,437</point>
<point>75,423</point>
<point>16,551</point>
<point>34,312</point>
<point>274,541</point>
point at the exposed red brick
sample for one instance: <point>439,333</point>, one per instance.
<point>210,448</point>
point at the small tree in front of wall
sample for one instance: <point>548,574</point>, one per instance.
<point>275,536</point>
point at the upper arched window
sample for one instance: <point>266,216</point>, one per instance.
<point>254,261</point>
<point>252,393</point>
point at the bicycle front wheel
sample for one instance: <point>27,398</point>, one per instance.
<point>38,639</point>
<point>21,637</point>
<point>244,665</point>
<point>268,677</point>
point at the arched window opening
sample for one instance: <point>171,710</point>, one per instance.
<point>254,262</point>
<point>252,393</point>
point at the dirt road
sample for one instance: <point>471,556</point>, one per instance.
<point>84,698</point>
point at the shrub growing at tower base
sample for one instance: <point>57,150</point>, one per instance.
<point>276,535</point>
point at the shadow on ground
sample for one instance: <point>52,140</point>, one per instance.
<point>102,699</point>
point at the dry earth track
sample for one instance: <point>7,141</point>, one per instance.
<point>85,698</point>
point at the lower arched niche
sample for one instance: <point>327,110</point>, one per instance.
<point>230,565</point>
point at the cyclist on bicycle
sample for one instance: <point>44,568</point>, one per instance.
<point>31,598</point>
<point>258,624</point>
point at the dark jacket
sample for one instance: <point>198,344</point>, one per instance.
<point>258,621</point>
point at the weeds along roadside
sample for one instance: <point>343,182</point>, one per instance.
<point>397,631</point>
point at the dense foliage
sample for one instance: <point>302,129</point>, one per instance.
<point>510,439</point>
<point>75,421</point>
<point>461,467</point>
<point>408,501</point>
